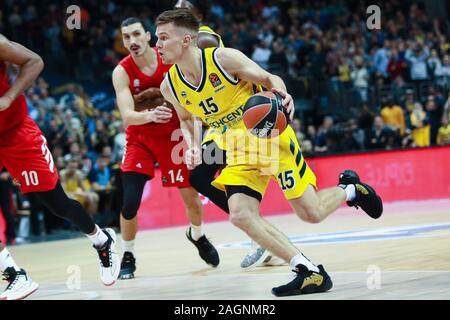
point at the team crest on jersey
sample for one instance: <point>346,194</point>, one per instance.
<point>215,80</point>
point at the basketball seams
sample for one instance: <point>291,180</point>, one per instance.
<point>257,108</point>
<point>266,117</point>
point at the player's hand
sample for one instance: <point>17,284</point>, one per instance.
<point>287,101</point>
<point>5,103</point>
<point>192,158</point>
<point>149,93</point>
<point>161,114</point>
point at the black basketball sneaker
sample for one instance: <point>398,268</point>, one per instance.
<point>205,249</point>
<point>305,282</point>
<point>366,196</point>
<point>128,266</point>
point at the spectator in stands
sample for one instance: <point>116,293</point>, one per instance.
<point>100,179</point>
<point>261,54</point>
<point>442,73</point>
<point>417,57</point>
<point>119,143</point>
<point>278,60</point>
<point>74,153</point>
<point>397,66</point>
<point>393,116</point>
<point>443,137</point>
<point>77,188</point>
<point>434,115</point>
<point>434,63</point>
<point>408,103</point>
<point>419,126</point>
<point>360,78</point>
<point>321,139</point>
<point>380,137</point>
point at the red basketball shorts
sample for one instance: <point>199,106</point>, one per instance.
<point>25,154</point>
<point>144,148</point>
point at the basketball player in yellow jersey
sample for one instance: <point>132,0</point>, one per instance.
<point>202,175</point>
<point>213,84</point>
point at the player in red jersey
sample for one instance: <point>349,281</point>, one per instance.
<point>25,155</point>
<point>150,122</point>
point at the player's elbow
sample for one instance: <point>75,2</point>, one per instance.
<point>38,63</point>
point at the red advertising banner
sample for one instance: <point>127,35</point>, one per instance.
<point>416,174</point>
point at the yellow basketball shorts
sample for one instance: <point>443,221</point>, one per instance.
<point>290,170</point>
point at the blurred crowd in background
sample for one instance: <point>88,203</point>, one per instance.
<point>355,89</point>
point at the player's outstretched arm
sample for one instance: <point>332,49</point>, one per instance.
<point>125,102</point>
<point>30,64</point>
<point>191,128</point>
<point>237,64</point>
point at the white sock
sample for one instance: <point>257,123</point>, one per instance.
<point>7,261</point>
<point>196,231</point>
<point>128,246</point>
<point>98,238</point>
<point>301,259</point>
<point>350,191</point>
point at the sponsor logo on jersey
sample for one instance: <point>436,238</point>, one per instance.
<point>227,121</point>
<point>215,80</point>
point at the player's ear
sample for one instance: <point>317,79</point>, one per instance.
<point>187,39</point>
<point>148,36</point>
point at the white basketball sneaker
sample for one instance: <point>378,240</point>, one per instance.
<point>109,259</point>
<point>20,285</point>
<point>256,257</point>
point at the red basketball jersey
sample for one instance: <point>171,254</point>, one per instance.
<point>140,81</point>
<point>18,109</point>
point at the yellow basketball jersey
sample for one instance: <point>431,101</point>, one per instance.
<point>219,98</point>
<point>211,31</point>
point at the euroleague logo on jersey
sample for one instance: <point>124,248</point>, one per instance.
<point>215,80</point>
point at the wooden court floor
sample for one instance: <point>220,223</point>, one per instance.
<point>403,255</point>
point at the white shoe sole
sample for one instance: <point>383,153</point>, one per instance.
<point>33,288</point>
<point>115,276</point>
<point>264,258</point>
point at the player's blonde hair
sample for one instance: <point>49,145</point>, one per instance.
<point>181,18</point>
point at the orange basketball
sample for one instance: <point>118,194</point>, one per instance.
<point>264,115</point>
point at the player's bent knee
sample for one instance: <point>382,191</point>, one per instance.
<point>129,211</point>
<point>193,205</point>
<point>313,218</point>
<point>241,219</point>
<point>310,215</point>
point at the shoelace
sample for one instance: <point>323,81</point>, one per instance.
<point>11,279</point>
<point>104,255</point>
